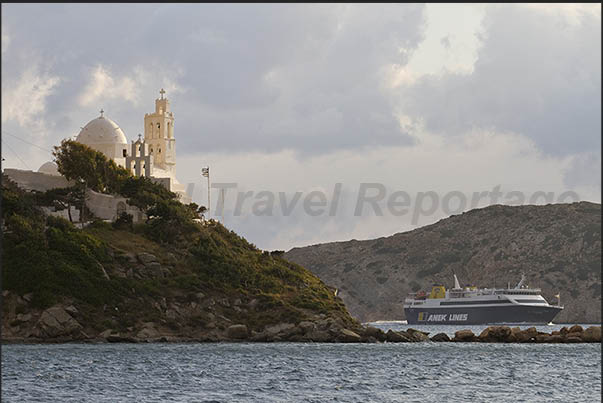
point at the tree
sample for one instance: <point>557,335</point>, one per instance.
<point>144,193</point>
<point>198,211</point>
<point>64,198</point>
<point>124,221</point>
<point>81,163</point>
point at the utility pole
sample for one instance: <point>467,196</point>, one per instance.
<point>222,197</point>
<point>205,172</point>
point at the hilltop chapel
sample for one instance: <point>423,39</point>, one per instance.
<point>153,156</point>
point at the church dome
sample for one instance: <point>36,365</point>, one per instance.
<point>101,130</point>
<point>49,168</point>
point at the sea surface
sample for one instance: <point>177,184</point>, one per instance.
<point>303,372</point>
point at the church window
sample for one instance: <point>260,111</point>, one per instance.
<point>158,125</point>
<point>125,152</point>
<point>159,151</point>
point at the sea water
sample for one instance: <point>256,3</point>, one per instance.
<point>302,372</point>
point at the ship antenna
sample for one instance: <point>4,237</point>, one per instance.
<point>523,279</point>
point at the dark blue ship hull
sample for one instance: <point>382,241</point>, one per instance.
<point>507,313</point>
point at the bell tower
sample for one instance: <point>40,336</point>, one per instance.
<point>159,135</point>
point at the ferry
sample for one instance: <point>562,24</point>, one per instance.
<point>479,306</point>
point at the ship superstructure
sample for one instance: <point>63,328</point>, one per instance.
<point>472,305</point>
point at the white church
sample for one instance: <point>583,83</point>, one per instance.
<point>153,156</point>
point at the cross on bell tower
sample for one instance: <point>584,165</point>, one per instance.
<point>162,92</point>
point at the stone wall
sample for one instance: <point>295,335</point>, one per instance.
<point>103,206</point>
<point>108,207</point>
<point>30,180</point>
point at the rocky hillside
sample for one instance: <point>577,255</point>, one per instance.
<point>167,279</point>
<point>557,246</point>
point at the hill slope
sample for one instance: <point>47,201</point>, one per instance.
<point>163,279</point>
<point>557,246</point>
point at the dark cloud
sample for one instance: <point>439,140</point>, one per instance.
<point>256,76</point>
<point>536,74</point>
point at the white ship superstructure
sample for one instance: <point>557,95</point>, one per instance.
<point>472,305</point>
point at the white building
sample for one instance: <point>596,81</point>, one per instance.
<point>153,156</point>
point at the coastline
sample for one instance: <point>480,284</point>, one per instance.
<point>368,334</point>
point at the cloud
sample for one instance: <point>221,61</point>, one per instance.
<point>5,40</point>
<point>102,87</point>
<point>542,78</point>
<point>571,13</point>
<point>479,162</point>
<point>584,171</point>
<point>267,76</point>
<point>25,100</point>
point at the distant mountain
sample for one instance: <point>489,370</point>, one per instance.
<point>557,246</point>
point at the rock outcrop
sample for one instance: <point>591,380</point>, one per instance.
<point>440,337</point>
<point>237,332</point>
<point>464,335</point>
<point>55,322</point>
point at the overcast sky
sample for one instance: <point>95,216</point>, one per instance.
<point>298,97</point>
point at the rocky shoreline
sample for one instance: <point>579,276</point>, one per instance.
<point>61,324</point>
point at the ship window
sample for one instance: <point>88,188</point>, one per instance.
<point>530,301</point>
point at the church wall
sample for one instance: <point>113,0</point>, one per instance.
<point>112,151</point>
<point>106,207</point>
<point>165,182</point>
<point>75,213</point>
<point>30,180</point>
<point>101,205</point>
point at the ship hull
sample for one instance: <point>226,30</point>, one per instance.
<point>508,314</point>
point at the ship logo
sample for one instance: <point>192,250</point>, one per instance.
<point>422,316</point>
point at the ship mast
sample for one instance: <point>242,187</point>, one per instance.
<point>521,282</point>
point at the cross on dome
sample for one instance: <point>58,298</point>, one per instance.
<point>101,112</point>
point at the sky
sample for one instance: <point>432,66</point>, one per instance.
<point>313,110</point>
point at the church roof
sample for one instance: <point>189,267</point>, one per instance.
<point>101,130</point>
<point>49,168</point>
